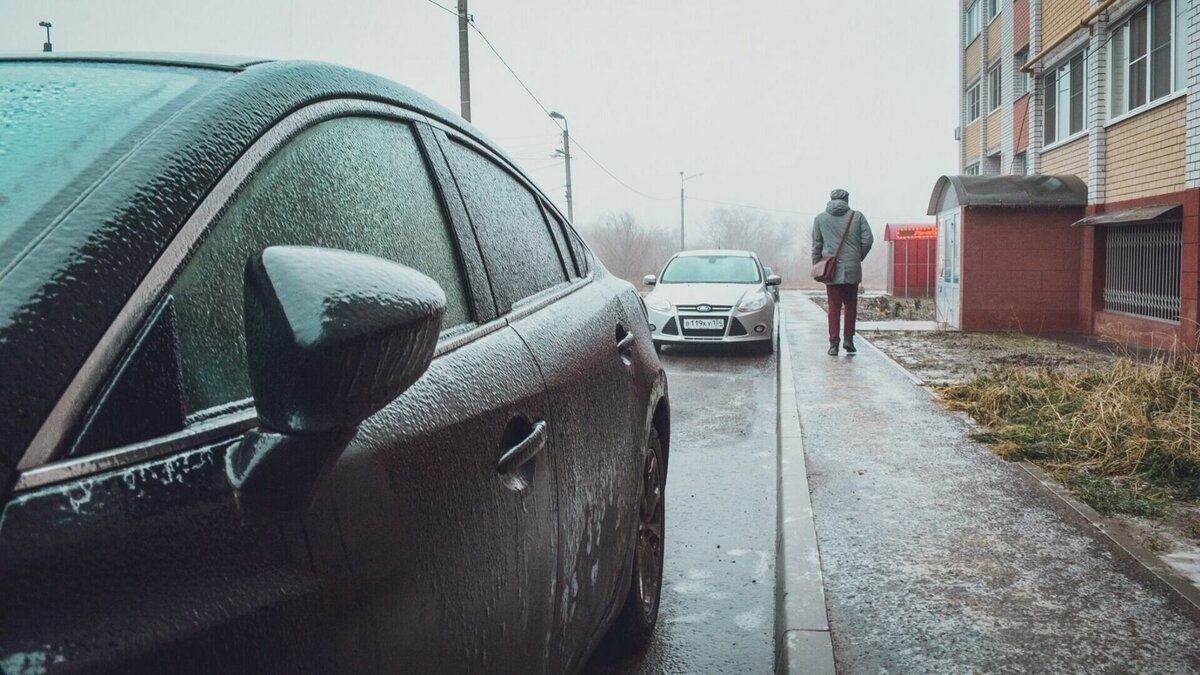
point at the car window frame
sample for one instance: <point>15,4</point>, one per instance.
<point>530,303</point>
<point>43,462</point>
<point>564,232</point>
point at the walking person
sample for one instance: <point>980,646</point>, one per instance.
<point>843,235</point>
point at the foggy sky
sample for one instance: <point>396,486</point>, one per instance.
<point>775,101</point>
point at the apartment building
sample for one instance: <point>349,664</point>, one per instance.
<point>1054,92</point>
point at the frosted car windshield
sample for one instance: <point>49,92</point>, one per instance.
<point>57,120</point>
<point>711,269</point>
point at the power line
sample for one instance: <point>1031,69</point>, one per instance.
<point>443,7</point>
<point>546,110</point>
<point>575,139</point>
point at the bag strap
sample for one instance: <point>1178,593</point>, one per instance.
<point>841,243</point>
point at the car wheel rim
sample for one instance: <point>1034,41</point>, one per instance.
<point>651,487</point>
<point>650,536</point>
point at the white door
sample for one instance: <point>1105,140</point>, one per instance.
<point>949,268</point>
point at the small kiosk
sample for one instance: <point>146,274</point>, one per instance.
<point>1007,256</point>
<point>912,272</point>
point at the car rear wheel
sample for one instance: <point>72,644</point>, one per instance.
<point>638,617</point>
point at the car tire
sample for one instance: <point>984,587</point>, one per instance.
<point>764,347</point>
<point>657,347</point>
<point>635,624</point>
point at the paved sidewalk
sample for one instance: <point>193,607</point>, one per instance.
<point>939,557</point>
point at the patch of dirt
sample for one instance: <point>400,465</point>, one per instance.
<point>888,308</point>
<point>950,357</point>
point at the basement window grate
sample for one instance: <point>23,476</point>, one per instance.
<point>1142,269</point>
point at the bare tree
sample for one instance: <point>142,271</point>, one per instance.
<point>628,248</point>
<point>781,243</point>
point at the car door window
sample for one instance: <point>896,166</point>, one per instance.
<point>357,184</point>
<point>578,251</point>
<point>518,249</point>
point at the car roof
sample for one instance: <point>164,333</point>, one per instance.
<point>717,251</point>
<point>210,61</point>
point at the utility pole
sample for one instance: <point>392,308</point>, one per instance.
<point>464,60</point>
<point>682,246</point>
<point>46,46</point>
<point>682,180</point>
<point>566,154</point>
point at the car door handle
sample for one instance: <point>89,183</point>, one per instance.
<point>625,343</point>
<point>527,449</point>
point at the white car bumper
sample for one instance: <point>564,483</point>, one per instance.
<point>684,325</point>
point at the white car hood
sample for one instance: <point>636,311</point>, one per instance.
<point>695,294</point>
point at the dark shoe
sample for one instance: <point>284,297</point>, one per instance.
<point>833,347</point>
<point>849,344</point>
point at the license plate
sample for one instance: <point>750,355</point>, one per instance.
<point>704,324</point>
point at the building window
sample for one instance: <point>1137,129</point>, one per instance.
<point>1018,165</point>
<point>995,93</point>
<point>971,22</point>
<point>1142,269</point>
<point>972,170</point>
<point>1066,107</point>
<point>973,103</point>
<point>1020,79</point>
<point>993,9</point>
<point>1145,58</point>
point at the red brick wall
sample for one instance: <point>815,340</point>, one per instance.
<point>1021,269</point>
<point>1021,124</point>
<point>1020,25</point>
<point>1131,329</point>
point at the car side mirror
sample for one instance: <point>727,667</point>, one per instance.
<point>331,338</point>
<point>649,280</point>
<point>774,280</point>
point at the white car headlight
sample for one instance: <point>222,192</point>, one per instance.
<point>753,303</point>
<point>657,304</point>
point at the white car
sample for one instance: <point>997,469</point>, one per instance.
<point>705,297</point>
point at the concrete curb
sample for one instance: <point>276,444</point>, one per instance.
<point>802,640</point>
<point>1164,572</point>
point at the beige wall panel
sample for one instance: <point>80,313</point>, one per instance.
<point>1147,153</point>
<point>995,39</point>
<point>971,61</point>
<point>1059,16</point>
<point>1071,159</point>
<point>994,132</point>
<point>970,141</point>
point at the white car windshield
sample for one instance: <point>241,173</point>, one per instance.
<point>711,269</point>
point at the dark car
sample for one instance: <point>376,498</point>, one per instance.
<point>302,374</point>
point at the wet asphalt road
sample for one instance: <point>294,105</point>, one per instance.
<point>717,612</point>
<point>940,557</point>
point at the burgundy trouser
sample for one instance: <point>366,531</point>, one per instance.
<point>839,295</point>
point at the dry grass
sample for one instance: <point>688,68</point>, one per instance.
<point>1124,438</point>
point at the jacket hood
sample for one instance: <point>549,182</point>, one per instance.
<point>837,207</point>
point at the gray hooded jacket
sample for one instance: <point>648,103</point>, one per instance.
<point>827,232</point>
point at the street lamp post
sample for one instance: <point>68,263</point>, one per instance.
<point>683,180</point>
<point>46,46</point>
<point>566,153</point>
<point>464,61</point>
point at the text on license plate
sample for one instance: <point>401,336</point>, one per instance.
<point>704,324</point>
